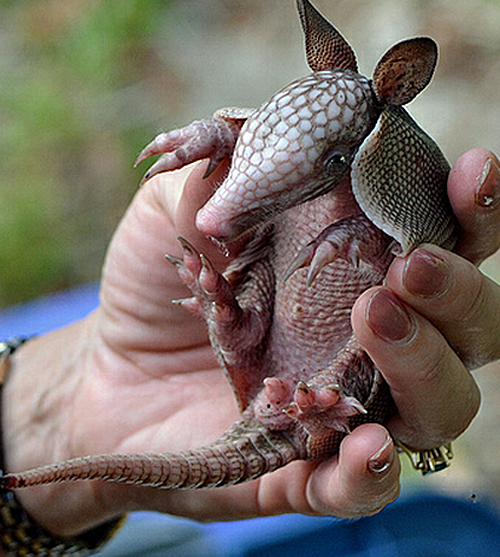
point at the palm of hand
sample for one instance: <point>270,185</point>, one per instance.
<point>152,355</point>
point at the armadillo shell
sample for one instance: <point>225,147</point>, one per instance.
<point>399,178</point>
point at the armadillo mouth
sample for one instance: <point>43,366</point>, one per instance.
<point>226,223</point>
<point>214,222</point>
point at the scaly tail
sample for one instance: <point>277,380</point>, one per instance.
<point>243,453</point>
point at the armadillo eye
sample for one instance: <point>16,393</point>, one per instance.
<point>335,162</point>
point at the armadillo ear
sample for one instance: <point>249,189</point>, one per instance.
<point>405,70</point>
<point>326,49</point>
<point>399,178</point>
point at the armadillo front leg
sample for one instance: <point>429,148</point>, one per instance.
<point>213,138</point>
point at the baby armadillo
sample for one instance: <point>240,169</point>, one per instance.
<point>329,179</point>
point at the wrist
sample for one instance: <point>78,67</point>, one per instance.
<point>38,397</point>
<point>39,384</point>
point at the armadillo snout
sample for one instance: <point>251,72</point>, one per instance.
<point>277,159</point>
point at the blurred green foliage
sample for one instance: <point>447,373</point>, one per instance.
<point>71,124</point>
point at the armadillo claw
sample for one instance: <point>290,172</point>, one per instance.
<point>176,261</point>
<point>323,409</point>
<point>301,260</point>
<point>277,390</point>
<point>212,139</point>
<point>191,304</point>
<point>325,253</point>
<point>271,403</point>
<point>352,239</point>
<point>231,326</point>
<point>208,285</point>
<point>336,240</point>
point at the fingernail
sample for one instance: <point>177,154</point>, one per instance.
<point>488,189</point>
<point>427,274</point>
<point>388,319</point>
<point>382,460</point>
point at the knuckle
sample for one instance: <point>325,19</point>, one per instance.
<point>441,401</point>
<point>477,342</point>
<point>429,374</point>
<point>369,504</point>
<point>446,424</point>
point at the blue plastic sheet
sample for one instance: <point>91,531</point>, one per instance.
<point>423,525</point>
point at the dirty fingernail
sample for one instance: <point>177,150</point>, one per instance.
<point>388,319</point>
<point>382,460</point>
<point>427,274</point>
<point>488,189</point>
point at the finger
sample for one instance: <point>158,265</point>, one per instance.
<point>435,395</point>
<point>455,296</point>
<point>363,480</point>
<point>138,283</point>
<point>474,193</point>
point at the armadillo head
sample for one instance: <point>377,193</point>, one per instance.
<point>297,146</point>
<point>333,125</point>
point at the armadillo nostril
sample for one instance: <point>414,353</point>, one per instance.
<point>212,221</point>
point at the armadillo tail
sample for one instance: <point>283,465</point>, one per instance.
<point>243,453</point>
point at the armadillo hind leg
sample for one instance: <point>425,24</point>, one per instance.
<point>330,398</point>
<point>334,401</point>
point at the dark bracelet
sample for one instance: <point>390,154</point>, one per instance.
<point>20,535</point>
<point>7,348</point>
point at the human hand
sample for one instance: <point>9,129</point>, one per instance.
<point>139,375</point>
<point>142,374</point>
<point>443,315</point>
